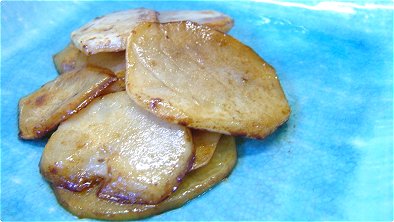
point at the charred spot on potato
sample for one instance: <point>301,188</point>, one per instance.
<point>41,100</point>
<point>53,170</point>
<point>154,103</point>
<point>184,122</point>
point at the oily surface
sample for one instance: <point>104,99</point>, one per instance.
<point>109,33</point>
<point>71,58</point>
<point>41,111</point>
<point>131,155</point>
<point>198,77</point>
<point>88,205</point>
<point>205,143</point>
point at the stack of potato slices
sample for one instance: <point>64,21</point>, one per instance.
<point>137,113</point>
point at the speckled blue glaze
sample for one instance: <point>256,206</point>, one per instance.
<point>333,160</point>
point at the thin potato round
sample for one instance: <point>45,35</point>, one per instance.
<point>114,61</point>
<point>71,58</point>
<point>193,75</point>
<point>205,143</point>
<point>43,110</point>
<point>117,86</point>
<point>131,155</point>
<point>109,33</point>
<point>213,19</point>
<point>87,205</point>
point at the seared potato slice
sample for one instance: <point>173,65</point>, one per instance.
<point>88,205</point>
<point>71,58</point>
<point>195,76</point>
<point>43,110</point>
<point>213,19</point>
<point>109,33</point>
<point>205,143</point>
<point>114,61</point>
<point>131,155</point>
<point>117,86</point>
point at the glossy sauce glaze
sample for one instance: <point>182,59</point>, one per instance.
<point>132,155</point>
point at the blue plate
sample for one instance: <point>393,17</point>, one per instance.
<point>333,160</point>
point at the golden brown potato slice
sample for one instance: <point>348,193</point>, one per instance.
<point>109,33</point>
<point>117,86</point>
<point>71,58</point>
<point>43,110</point>
<point>205,143</point>
<point>88,205</point>
<point>213,19</point>
<point>68,59</point>
<point>114,61</point>
<point>193,75</point>
<point>133,156</point>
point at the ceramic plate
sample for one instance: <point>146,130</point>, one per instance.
<point>333,160</point>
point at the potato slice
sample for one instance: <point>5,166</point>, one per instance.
<point>43,110</point>
<point>205,143</point>
<point>133,156</point>
<point>88,205</point>
<point>68,59</point>
<point>114,61</point>
<point>213,19</point>
<point>109,33</point>
<point>117,86</point>
<point>71,58</point>
<point>193,75</point>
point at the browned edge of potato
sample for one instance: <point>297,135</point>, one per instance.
<point>88,205</point>
<point>43,110</point>
<point>205,143</point>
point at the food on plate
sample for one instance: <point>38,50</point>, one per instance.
<point>68,59</point>
<point>205,143</point>
<point>117,86</point>
<point>42,111</point>
<point>109,33</point>
<point>198,77</point>
<point>72,57</point>
<point>213,19</point>
<point>133,156</point>
<point>140,106</point>
<point>87,205</point>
